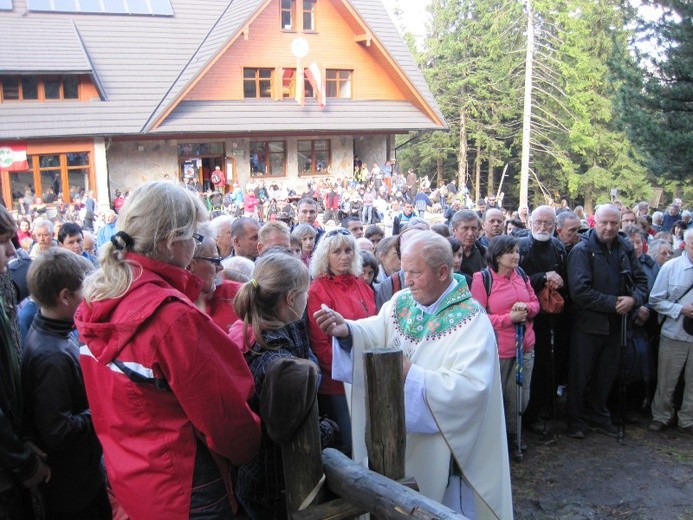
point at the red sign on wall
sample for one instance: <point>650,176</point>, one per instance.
<point>13,157</point>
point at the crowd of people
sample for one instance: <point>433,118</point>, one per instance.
<point>144,347</point>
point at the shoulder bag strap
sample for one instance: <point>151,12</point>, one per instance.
<point>684,293</point>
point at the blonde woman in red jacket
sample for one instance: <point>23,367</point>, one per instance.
<point>167,387</point>
<point>335,268</point>
<point>511,301</point>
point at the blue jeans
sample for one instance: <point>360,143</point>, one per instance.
<point>209,499</point>
<point>367,214</point>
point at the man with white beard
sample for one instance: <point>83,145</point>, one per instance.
<point>543,258</point>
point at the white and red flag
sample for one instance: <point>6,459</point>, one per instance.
<point>13,157</point>
<point>314,76</point>
<point>300,87</point>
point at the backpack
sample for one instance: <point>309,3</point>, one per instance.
<point>488,279</point>
<point>396,282</point>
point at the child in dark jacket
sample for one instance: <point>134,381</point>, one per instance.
<point>56,410</point>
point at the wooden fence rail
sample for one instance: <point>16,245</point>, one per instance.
<point>361,490</point>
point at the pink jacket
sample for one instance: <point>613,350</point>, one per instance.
<point>505,292</point>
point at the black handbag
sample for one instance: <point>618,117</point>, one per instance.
<point>687,322</point>
<point>688,325</point>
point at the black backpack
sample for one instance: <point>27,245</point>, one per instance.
<point>488,279</point>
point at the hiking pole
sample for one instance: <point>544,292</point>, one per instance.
<point>552,355</point>
<point>622,383</point>
<point>623,345</point>
<point>519,381</point>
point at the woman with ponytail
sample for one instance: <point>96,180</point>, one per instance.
<point>167,388</point>
<point>271,306</point>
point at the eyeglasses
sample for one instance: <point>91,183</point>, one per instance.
<point>545,223</point>
<point>198,238</point>
<point>216,260</point>
<point>338,231</point>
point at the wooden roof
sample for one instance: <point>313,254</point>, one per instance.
<point>143,65</point>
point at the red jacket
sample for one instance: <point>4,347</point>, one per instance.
<point>250,203</point>
<point>350,296</point>
<point>220,304</point>
<point>147,434</point>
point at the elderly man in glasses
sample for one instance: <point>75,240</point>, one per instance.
<point>216,297</point>
<point>543,258</point>
<point>456,443</point>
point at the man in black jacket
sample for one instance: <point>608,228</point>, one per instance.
<point>465,226</point>
<point>543,258</point>
<point>605,283</point>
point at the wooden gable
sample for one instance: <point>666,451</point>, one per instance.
<point>340,41</point>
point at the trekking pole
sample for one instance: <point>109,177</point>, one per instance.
<point>552,355</point>
<point>623,345</point>
<point>622,383</point>
<point>519,382</point>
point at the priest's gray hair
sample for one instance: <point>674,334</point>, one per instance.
<point>435,249</point>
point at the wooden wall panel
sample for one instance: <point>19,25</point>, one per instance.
<point>87,90</point>
<point>51,147</point>
<point>331,46</point>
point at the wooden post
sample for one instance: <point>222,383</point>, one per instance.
<point>385,426</point>
<point>385,498</point>
<point>302,461</point>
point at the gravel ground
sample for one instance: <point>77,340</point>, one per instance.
<point>649,476</point>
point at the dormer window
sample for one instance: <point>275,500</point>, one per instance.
<point>38,88</point>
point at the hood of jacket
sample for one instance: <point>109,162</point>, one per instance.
<point>108,325</point>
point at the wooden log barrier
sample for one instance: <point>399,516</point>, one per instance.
<point>387,499</point>
<point>385,427</point>
<point>339,508</point>
<point>302,461</point>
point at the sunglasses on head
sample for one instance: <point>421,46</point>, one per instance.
<point>198,238</point>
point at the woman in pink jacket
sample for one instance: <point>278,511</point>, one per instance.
<point>509,300</point>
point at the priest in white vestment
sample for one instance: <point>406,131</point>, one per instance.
<point>453,400</point>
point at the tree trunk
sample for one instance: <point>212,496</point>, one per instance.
<point>490,180</point>
<point>527,111</point>
<point>463,152</point>
<point>477,175</point>
<point>588,200</point>
<point>440,179</point>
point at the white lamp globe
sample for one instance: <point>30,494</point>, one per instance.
<point>299,47</point>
